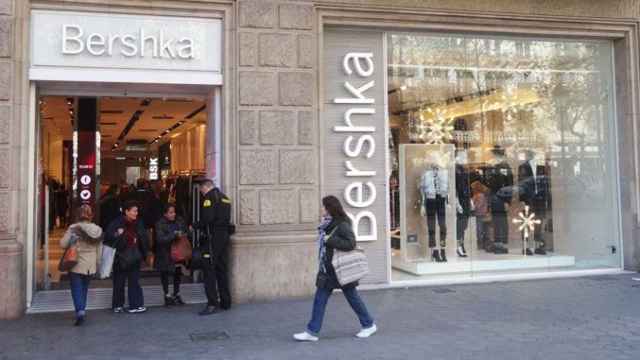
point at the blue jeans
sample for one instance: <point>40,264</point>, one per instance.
<point>320,305</point>
<point>79,290</point>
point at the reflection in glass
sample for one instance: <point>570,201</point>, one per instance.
<point>531,123</point>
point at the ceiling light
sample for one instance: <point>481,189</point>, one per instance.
<point>403,87</point>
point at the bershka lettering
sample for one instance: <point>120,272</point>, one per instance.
<point>359,143</point>
<point>140,44</point>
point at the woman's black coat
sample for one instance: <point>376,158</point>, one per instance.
<point>342,239</point>
<point>164,238</point>
<point>119,242</point>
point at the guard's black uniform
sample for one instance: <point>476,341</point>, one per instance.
<point>215,218</point>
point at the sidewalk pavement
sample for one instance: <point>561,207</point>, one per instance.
<point>581,318</point>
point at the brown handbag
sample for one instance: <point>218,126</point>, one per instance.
<point>69,259</point>
<point>181,250</point>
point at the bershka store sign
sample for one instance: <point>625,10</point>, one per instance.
<point>354,140</point>
<point>114,47</point>
<point>76,41</point>
<point>354,143</point>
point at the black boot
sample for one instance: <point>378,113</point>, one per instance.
<point>435,256</point>
<point>443,255</point>
<point>209,310</point>
<point>177,299</point>
<point>168,301</point>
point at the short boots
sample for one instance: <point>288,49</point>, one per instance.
<point>169,300</point>
<point>461,252</point>
<point>443,255</point>
<point>438,255</point>
<point>177,299</point>
<point>435,255</point>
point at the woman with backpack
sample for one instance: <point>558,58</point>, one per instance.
<point>335,233</point>
<point>128,236</point>
<point>87,237</point>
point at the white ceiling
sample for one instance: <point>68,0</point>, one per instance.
<point>115,113</point>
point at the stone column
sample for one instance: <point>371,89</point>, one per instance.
<point>278,177</point>
<point>11,251</point>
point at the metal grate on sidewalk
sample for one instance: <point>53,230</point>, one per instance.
<point>60,300</point>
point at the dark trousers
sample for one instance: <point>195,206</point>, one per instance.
<point>320,306</point>
<point>177,279</point>
<point>216,282</point>
<point>500,227</point>
<point>482,231</point>
<point>435,209</point>
<point>537,236</point>
<point>462,223</point>
<point>79,290</point>
<point>120,278</point>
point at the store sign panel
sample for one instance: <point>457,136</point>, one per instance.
<point>153,168</point>
<point>354,120</point>
<point>86,165</point>
<point>141,44</point>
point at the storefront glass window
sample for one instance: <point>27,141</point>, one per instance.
<point>502,153</point>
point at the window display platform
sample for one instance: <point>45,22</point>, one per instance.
<point>482,262</point>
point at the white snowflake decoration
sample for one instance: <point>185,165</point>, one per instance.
<point>438,128</point>
<point>527,222</point>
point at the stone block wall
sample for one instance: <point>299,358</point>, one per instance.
<point>278,157</point>
<point>11,251</point>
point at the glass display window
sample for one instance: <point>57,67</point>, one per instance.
<point>527,130</point>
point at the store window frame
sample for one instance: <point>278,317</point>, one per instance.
<point>624,35</point>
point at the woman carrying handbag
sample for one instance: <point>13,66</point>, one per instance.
<point>171,232</point>
<point>335,234</point>
<point>85,238</point>
<point>128,236</point>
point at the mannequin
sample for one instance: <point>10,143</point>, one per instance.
<point>535,192</point>
<point>499,179</point>
<point>464,205</point>
<point>434,190</point>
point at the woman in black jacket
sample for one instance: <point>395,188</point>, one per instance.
<point>128,236</point>
<point>335,232</point>
<point>168,229</point>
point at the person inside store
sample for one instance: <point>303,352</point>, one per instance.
<point>87,237</point>
<point>110,206</point>
<point>169,229</point>
<point>214,225</point>
<point>128,236</point>
<point>334,232</point>
<point>499,179</point>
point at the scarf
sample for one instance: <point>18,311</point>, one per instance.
<point>130,233</point>
<point>322,248</point>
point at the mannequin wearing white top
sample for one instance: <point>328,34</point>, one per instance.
<point>434,189</point>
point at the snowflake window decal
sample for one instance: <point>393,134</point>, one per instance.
<point>527,221</point>
<point>438,128</point>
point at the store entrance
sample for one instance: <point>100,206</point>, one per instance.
<point>106,150</point>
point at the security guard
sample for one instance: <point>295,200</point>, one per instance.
<point>215,217</point>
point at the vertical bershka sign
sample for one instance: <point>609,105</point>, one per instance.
<point>354,140</point>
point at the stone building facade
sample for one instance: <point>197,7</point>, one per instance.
<point>273,115</point>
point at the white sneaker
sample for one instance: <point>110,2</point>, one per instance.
<point>138,310</point>
<point>365,333</point>
<point>305,336</point>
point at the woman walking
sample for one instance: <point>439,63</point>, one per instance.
<point>169,229</point>
<point>87,237</point>
<point>128,236</point>
<point>335,233</point>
